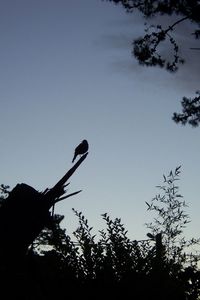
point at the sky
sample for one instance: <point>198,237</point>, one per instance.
<point>67,74</point>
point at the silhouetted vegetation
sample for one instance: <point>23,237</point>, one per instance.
<point>148,48</point>
<point>25,212</point>
<point>190,111</point>
<point>112,265</point>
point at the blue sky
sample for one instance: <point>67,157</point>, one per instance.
<point>67,74</point>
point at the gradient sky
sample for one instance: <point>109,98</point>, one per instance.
<point>67,74</point>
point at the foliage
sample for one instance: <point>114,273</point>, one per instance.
<point>115,262</point>
<point>4,192</point>
<point>170,220</point>
<point>113,265</point>
<point>145,48</point>
<point>190,112</point>
<point>148,48</point>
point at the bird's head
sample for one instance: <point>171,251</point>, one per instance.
<point>85,142</point>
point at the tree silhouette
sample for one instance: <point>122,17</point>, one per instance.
<point>115,266</point>
<point>190,111</point>
<point>57,266</point>
<point>146,48</point>
<point>25,212</point>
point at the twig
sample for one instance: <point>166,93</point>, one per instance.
<point>67,196</point>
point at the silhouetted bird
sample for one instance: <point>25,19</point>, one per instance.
<point>81,149</point>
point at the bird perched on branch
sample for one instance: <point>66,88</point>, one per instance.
<point>80,149</point>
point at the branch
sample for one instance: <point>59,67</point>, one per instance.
<point>177,22</point>
<point>58,188</point>
<point>64,179</point>
<point>145,49</point>
<point>67,196</point>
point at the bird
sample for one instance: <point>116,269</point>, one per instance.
<point>80,149</point>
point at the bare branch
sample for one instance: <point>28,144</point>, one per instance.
<point>67,196</point>
<point>58,189</point>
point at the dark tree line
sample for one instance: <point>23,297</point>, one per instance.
<point>146,48</point>
<point>158,267</point>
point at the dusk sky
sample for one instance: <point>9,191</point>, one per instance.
<point>67,74</point>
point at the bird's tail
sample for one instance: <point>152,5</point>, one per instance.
<point>73,158</point>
